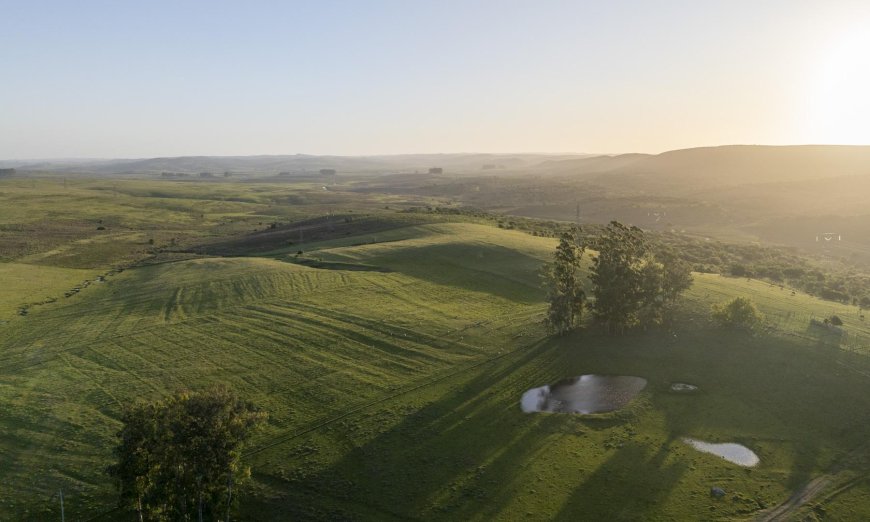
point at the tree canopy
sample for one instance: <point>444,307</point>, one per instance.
<point>631,284</point>
<point>565,293</point>
<point>179,458</point>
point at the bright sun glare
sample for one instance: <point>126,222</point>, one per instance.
<point>840,102</point>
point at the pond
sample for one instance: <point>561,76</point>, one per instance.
<point>730,451</point>
<point>584,394</point>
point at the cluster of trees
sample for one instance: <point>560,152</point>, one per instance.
<point>179,458</point>
<point>631,285</point>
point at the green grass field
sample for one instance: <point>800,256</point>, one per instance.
<point>392,373</point>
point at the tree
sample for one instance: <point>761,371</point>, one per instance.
<point>676,277</point>
<point>565,292</point>
<point>673,278</point>
<point>182,455</point>
<point>631,285</point>
<point>617,276</point>
<point>740,313</point>
<point>651,304</point>
<point>133,468</point>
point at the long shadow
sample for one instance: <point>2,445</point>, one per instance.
<point>479,267</point>
<point>436,460</point>
<point>825,334</point>
<point>791,402</point>
<point>462,454</point>
<point>622,487</point>
<point>751,388</point>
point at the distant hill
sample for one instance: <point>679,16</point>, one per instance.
<point>594,164</point>
<point>726,165</point>
<point>294,164</point>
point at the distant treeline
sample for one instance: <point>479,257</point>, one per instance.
<point>226,174</point>
<point>783,266</point>
<point>5,173</point>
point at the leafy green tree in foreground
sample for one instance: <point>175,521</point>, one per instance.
<point>180,458</point>
<point>618,273</point>
<point>564,288</point>
<point>667,278</point>
<point>631,285</point>
<point>738,313</point>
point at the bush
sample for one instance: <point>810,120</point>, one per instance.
<point>836,321</point>
<point>740,313</point>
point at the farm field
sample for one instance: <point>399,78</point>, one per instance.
<point>391,360</point>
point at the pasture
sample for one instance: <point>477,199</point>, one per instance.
<point>391,361</point>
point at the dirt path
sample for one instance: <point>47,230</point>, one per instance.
<point>785,510</point>
<point>837,478</point>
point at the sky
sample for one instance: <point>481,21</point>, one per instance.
<point>129,79</point>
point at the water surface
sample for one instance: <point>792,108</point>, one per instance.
<point>730,451</point>
<point>584,394</point>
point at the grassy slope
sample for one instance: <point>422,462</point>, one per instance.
<point>305,343</point>
<point>35,282</point>
<point>49,225</point>
<point>393,394</point>
<point>461,449</point>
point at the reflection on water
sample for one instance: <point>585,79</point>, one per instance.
<point>735,453</point>
<point>584,394</point>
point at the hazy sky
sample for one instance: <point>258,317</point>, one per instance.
<point>165,78</point>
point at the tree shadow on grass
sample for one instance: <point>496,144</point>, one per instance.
<point>497,270</point>
<point>825,334</point>
<point>466,451</point>
<point>633,480</point>
<point>447,457</point>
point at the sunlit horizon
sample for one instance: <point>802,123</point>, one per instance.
<point>385,78</point>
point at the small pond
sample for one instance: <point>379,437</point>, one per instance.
<point>730,451</point>
<point>584,394</point>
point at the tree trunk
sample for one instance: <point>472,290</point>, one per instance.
<point>229,495</point>
<point>199,497</point>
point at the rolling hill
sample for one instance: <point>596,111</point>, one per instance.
<point>392,365</point>
<point>294,164</point>
<point>722,166</point>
